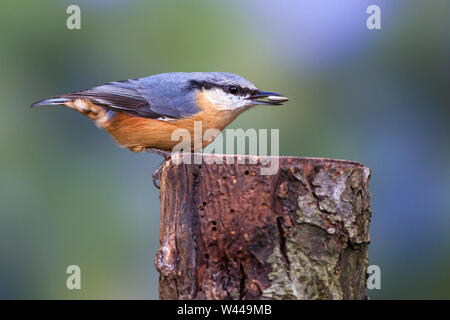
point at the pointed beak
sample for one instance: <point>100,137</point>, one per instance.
<point>268,98</point>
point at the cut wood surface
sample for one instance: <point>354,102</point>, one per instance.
<point>228,232</point>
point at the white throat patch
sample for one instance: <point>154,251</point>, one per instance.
<point>225,101</point>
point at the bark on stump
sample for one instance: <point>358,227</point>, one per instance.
<point>228,232</point>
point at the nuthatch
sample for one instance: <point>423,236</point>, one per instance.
<point>141,114</point>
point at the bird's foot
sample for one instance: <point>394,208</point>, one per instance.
<point>157,173</point>
<point>163,153</point>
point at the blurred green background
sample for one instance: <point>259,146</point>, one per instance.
<point>68,195</point>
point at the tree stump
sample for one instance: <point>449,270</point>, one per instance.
<point>228,232</point>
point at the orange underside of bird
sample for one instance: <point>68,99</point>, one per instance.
<point>138,134</point>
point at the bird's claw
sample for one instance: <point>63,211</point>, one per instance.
<point>157,173</point>
<point>163,153</point>
<point>156,177</point>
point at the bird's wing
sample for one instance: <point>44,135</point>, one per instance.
<point>133,98</point>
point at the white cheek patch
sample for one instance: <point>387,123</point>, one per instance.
<point>225,101</point>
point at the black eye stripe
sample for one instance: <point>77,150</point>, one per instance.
<point>200,85</point>
<point>240,91</point>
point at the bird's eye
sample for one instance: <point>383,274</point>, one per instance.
<point>233,89</point>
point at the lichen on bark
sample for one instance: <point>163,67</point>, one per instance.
<point>332,215</point>
<point>228,232</point>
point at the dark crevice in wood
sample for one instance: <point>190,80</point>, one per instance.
<point>242,286</point>
<point>281,232</point>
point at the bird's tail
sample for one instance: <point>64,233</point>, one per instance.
<point>52,101</point>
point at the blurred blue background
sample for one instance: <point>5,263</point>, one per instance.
<point>68,195</point>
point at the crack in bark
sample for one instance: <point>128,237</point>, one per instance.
<point>283,239</point>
